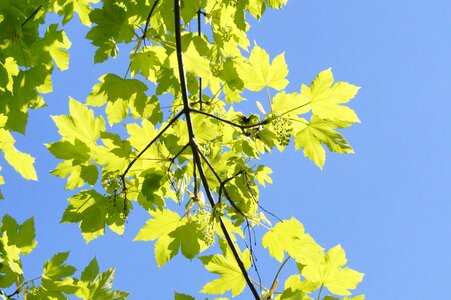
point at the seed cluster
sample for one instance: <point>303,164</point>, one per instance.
<point>284,130</point>
<point>205,226</point>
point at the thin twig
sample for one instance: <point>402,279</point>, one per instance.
<point>146,27</point>
<point>143,36</point>
<point>147,147</point>
<point>241,126</point>
<point>222,184</point>
<point>31,16</point>
<point>171,161</point>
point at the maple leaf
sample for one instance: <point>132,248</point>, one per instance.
<point>288,236</point>
<point>231,277</point>
<point>330,272</point>
<point>120,95</point>
<point>81,7</point>
<point>259,73</point>
<point>326,96</point>
<point>21,162</point>
<point>311,135</point>
<point>79,124</point>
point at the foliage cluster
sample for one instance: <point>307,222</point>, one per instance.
<point>194,168</point>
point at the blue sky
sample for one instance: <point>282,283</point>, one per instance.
<point>388,205</point>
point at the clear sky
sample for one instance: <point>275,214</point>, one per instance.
<point>388,205</point>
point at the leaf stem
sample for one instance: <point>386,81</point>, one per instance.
<point>319,293</point>
<point>297,107</point>
<point>269,98</point>
<point>275,281</point>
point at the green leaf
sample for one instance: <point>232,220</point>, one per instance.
<point>91,271</point>
<point>288,236</point>
<point>294,289</point>
<point>111,27</point>
<point>99,286</point>
<point>290,104</point>
<point>188,239</point>
<point>56,268</point>
<point>195,63</point>
<point>79,124</point>
<point>330,273</point>
<point>148,62</point>
<point>326,96</point>
<point>21,236</point>
<point>120,94</point>
<point>231,277</point>
<point>172,233</point>
<point>259,73</point>
<point>81,7</point>
<point>178,296</point>
<point>163,222</point>
<point>57,44</point>
<point>94,211</point>
<point>310,136</point>
<point>77,174</point>
<point>8,70</point>
<point>21,162</point>
<point>276,3</point>
<point>256,8</point>
<point>262,175</point>
<point>77,151</point>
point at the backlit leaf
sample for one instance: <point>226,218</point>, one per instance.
<point>259,73</point>
<point>326,96</point>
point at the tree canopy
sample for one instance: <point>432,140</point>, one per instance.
<point>193,167</point>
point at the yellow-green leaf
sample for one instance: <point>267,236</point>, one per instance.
<point>163,222</point>
<point>330,272</point>
<point>231,277</point>
<point>7,72</point>
<point>259,73</point>
<point>312,135</point>
<point>21,162</point>
<point>288,236</point>
<point>79,124</point>
<point>326,96</point>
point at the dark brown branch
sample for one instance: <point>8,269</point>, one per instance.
<point>195,150</point>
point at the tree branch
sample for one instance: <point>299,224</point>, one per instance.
<point>195,150</point>
<point>241,126</point>
<point>147,147</point>
<point>146,27</point>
